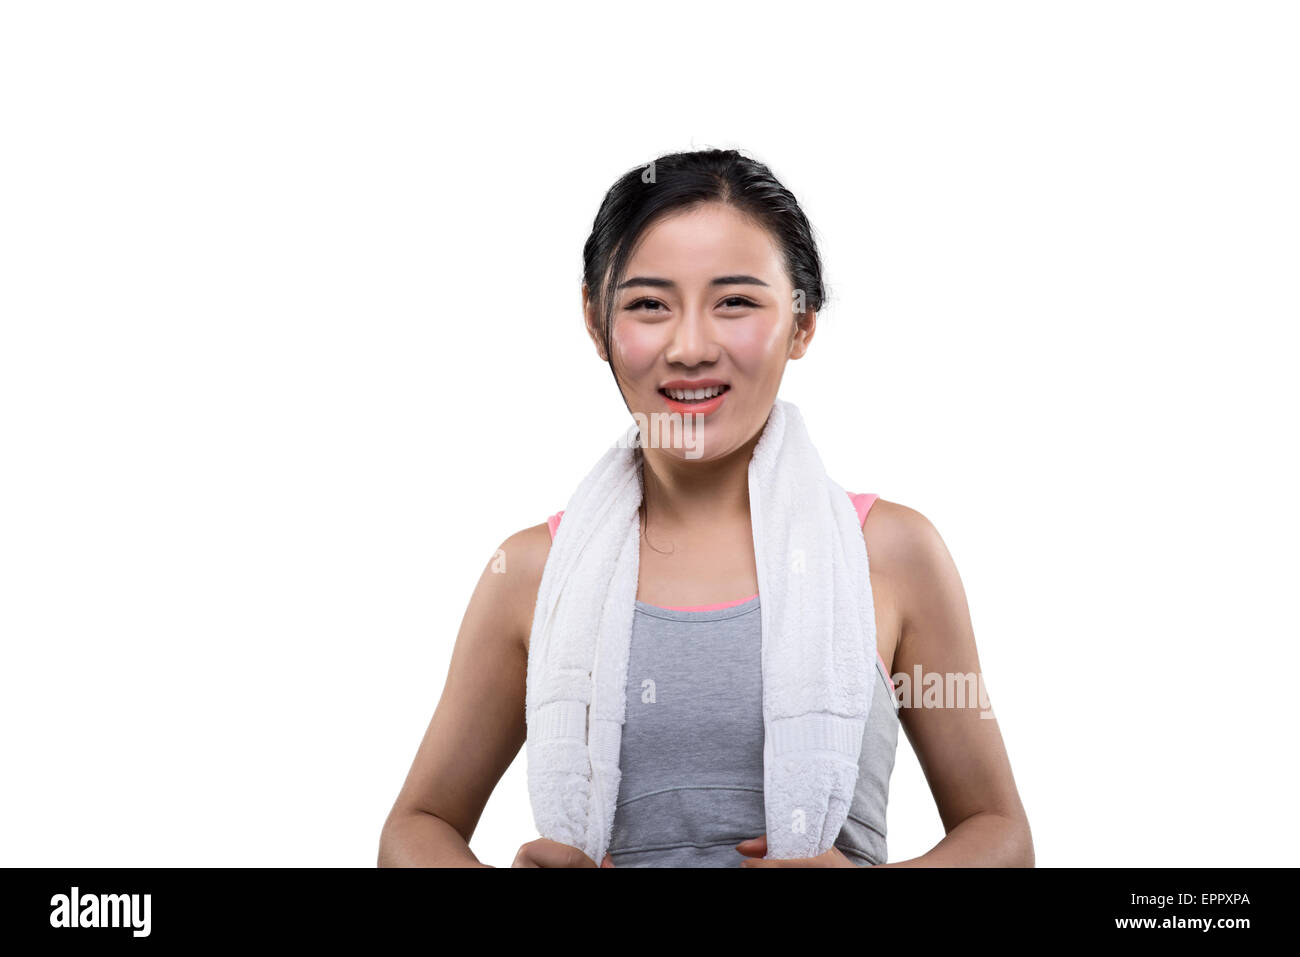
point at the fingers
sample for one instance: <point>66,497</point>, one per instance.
<point>754,846</point>
<point>544,852</point>
<point>831,858</point>
<point>523,857</point>
<point>782,862</point>
<point>755,851</point>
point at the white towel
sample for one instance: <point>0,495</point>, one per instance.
<point>818,645</point>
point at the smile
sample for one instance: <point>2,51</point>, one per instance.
<point>695,395</point>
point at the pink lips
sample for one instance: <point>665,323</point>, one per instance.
<point>703,407</point>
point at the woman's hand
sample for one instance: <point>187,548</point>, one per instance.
<point>755,847</point>
<point>544,852</point>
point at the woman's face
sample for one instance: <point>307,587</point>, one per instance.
<point>705,298</point>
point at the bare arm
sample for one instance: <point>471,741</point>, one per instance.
<point>961,753</point>
<point>478,725</point>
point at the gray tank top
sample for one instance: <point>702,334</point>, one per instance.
<point>692,746</point>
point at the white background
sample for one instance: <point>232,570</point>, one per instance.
<point>286,288</point>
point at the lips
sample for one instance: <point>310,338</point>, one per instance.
<point>693,393</point>
<point>697,406</point>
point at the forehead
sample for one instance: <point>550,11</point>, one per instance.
<point>704,242</point>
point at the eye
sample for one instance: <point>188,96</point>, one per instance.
<point>640,304</point>
<point>739,301</point>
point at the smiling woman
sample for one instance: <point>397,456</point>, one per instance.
<point>700,594</point>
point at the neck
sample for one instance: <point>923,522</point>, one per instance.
<point>683,493</point>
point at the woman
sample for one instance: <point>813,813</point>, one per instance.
<point>701,273</point>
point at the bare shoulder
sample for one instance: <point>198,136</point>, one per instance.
<point>921,583</point>
<point>524,556</point>
<point>479,723</point>
<point>901,541</point>
<point>902,550</point>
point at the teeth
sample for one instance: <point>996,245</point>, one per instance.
<point>687,395</point>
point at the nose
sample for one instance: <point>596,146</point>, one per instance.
<point>693,341</point>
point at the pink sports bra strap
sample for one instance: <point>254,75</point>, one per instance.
<point>862,501</point>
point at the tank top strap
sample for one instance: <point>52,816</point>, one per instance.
<point>862,501</point>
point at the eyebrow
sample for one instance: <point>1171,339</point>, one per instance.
<point>669,284</point>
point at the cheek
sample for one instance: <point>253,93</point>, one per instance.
<point>637,345</point>
<point>757,346</point>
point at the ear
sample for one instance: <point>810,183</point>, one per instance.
<point>591,316</point>
<point>804,328</point>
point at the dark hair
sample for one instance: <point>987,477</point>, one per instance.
<point>678,181</point>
